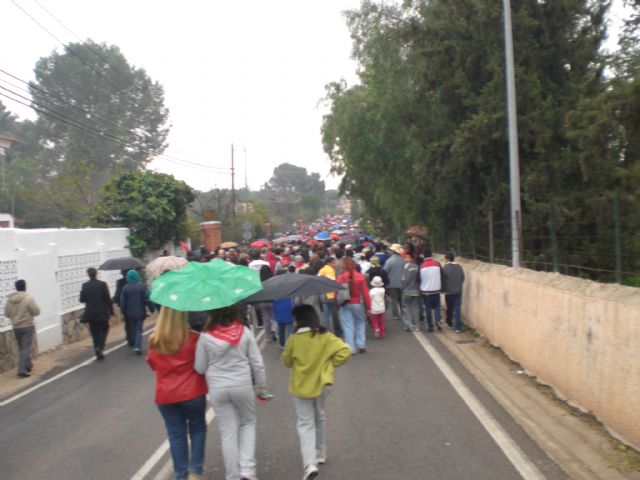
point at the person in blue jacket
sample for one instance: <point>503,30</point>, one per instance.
<point>133,305</point>
<point>284,318</point>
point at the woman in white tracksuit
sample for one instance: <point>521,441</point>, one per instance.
<point>229,357</point>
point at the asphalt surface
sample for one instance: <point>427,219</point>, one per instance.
<point>391,414</point>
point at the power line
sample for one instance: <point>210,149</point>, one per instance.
<point>96,53</point>
<point>196,164</point>
<point>47,111</point>
<point>222,170</point>
<point>86,113</point>
<point>71,52</point>
<point>199,166</point>
<point>56,116</point>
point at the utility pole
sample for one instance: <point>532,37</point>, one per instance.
<point>233,189</point>
<point>246,182</point>
<point>514,162</point>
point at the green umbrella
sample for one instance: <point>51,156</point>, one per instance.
<point>205,286</point>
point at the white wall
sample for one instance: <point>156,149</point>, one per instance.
<point>54,262</point>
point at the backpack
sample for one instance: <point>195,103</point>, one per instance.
<point>343,296</point>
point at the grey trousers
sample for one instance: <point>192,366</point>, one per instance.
<point>411,310</point>
<point>24,339</point>
<point>311,427</point>
<point>235,410</point>
<point>395,297</point>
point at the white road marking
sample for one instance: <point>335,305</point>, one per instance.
<point>513,452</point>
<point>166,470</point>
<point>63,374</point>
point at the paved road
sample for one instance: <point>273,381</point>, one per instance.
<point>392,414</point>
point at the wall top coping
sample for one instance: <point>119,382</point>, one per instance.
<point>580,286</point>
<point>33,231</point>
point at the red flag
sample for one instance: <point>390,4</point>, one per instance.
<point>184,246</point>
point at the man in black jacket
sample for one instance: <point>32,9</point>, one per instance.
<point>98,309</point>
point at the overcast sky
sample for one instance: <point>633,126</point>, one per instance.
<point>250,73</point>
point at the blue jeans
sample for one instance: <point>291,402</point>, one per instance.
<point>454,302</point>
<point>178,418</point>
<point>330,318</point>
<point>137,334</point>
<point>432,302</point>
<point>284,330</point>
<point>353,325</point>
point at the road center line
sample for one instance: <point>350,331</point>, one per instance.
<point>512,451</point>
<point>64,373</point>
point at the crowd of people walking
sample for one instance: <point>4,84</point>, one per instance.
<point>316,335</point>
<point>215,353</point>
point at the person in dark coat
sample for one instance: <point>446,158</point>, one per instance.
<point>120,283</point>
<point>133,304</point>
<point>97,311</point>
<point>377,271</point>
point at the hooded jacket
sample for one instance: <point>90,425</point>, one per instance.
<point>20,309</point>
<point>313,359</point>
<point>134,298</point>
<point>230,360</point>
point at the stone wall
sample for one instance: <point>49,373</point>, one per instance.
<point>9,350</point>
<point>580,337</point>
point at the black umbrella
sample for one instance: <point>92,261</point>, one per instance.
<point>122,263</point>
<point>294,285</point>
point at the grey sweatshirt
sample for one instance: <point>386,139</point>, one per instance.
<point>394,268</point>
<point>410,282</point>
<point>227,366</point>
<point>453,278</point>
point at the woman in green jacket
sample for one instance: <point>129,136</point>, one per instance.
<point>312,353</point>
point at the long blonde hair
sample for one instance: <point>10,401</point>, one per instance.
<point>170,332</point>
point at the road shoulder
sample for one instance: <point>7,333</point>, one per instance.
<point>577,443</point>
<point>52,361</point>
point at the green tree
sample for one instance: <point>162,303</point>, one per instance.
<point>152,205</point>
<point>293,178</point>
<point>98,116</point>
<point>291,193</point>
<point>422,137</point>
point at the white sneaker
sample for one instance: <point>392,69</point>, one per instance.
<point>310,472</point>
<point>321,460</point>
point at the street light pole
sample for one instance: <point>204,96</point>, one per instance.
<point>514,162</point>
<point>233,189</point>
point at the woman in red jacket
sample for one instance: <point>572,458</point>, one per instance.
<point>352,313</point>
<point>180,391</point>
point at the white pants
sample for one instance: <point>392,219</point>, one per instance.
<point>311,427</point>
<point>235,410</point>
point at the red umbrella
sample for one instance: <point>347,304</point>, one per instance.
<point>259,244</point>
